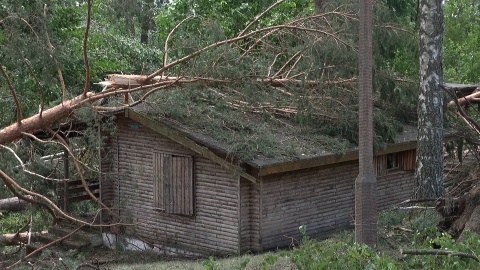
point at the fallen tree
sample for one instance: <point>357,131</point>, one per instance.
<point>13,239</point>
<point>460,208</point>
<point>13,204</point>
<point>282,70</point>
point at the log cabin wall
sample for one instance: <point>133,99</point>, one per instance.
<point>231,214</point>
<point>249,216</point>
<point>322,199</point>
<point>212,228</point>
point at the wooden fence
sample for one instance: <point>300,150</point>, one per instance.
<point>73,191</point>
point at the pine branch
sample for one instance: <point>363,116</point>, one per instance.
<point>84,48</point>
<point>13,94</point>
<point>438,252</point>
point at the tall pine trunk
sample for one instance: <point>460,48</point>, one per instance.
<point>429,170</point>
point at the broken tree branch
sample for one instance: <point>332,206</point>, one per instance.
<point>79,171</point>
<point>50,116</point>
<point>84,47</point>
<point>291,26</point>
<point>438,252</point>
<point>45,246</point>
<point>121,81</point>
<point>13,239</point>
<point>165,56</point>
<point>260,16</point>
<point>13,94</point>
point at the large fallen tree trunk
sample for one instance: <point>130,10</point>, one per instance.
<point>13,239</point>
<point>116,81</point>
<point>43,119</point>
<point>13,204</point>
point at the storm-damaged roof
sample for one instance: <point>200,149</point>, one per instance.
<point>260,165</point>
<point>264,139</point>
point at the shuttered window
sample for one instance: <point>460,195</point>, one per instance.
<point>404,160</point>
<point>173,183</point>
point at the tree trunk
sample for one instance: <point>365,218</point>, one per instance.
<point>39,121</point>
<point>146,20</point>
<point>429,169</point>
<point>13,204</point>
<point>13,239</point>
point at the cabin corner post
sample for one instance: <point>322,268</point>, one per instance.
<point>366,183</point>
<point>239,214</point>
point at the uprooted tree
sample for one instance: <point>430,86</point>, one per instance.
<point>460,206</point>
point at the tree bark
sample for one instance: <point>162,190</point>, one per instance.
<point>429,162</point>
<point>13,239</point>
<point>42,120</point>
<point>13,204</point>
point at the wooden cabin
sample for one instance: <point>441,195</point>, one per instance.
<point>184,194</point>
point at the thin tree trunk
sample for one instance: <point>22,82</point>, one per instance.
<point>429,162</point>
<point>146,20</point>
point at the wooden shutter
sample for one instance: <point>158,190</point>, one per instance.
<point>406,160</point>
<point>380,163</point>
<point>173,187</point>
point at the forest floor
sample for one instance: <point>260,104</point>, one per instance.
<point>399,228</point>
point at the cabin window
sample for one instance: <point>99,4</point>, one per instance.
<point>173,183</point>
<point>404,160</point>
<point>392,161</point>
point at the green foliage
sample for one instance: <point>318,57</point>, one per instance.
<point>461,39</point>
<point>232,15</point>
<point>313,254</point>
<point>210,264</point>
<point>11,222</point>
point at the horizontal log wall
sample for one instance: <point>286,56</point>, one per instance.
<point>214,227</point>
<point>322,199</point>
<point>395,187</point>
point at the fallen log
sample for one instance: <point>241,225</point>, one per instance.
<point>13,204</point>
<point>13,239</point>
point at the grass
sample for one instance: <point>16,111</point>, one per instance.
<point>397,229</point>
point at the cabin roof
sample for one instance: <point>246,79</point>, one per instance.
<point>260,146</point>
<point>260,165</point>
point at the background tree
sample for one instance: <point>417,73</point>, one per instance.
<point>461,39</point>
<point>429,164</point>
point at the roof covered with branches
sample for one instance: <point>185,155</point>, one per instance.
<point>277,93</point>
